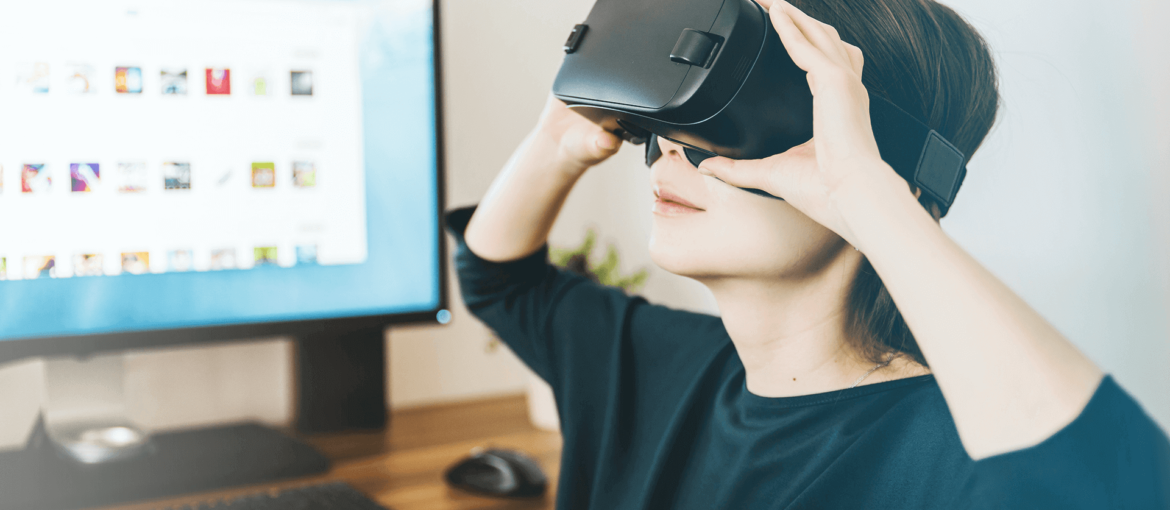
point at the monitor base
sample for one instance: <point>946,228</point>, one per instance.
<point>178,462</point>
<point>98,442</point>
<point>84,413</point>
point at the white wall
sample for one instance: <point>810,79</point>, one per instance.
<point>1067,202</point>
<point>500,60</point>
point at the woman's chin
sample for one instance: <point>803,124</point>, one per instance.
<point>672,259</point>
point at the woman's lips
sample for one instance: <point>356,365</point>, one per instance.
<point>663,194</point>
<point>669,208</point>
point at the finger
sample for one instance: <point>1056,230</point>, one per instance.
<point>766,4</point>
<point>739,173</point>
<point>824,37</point>
<point>786,175</point>
<point>608,142</point>
<point>840,53</point>
<point>803,53</point>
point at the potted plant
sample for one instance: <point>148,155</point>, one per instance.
<point>606,273</point>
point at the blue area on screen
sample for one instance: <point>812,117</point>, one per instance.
<point>400,274</point>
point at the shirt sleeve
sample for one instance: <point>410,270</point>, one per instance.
<point>1113,455</point>
<point>556,321</point>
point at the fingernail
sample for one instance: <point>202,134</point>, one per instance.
<point>704,171</point>
<point>606,142</point>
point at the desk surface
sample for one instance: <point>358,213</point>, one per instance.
<point>402,467</point>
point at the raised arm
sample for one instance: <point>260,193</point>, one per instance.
<point>1009,378</point>
<point>519,209</point>
<point>543,313</point>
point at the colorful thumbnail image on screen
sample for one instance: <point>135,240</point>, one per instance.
<point>84,79</point>
<point>173,81</point>
<point>35,178</point>
<point>169,261</point>
<point>85,176</point>
<point>137,176</point>
<point>128,80</point>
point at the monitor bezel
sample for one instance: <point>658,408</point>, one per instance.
<point>90,344</point>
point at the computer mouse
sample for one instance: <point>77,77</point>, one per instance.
<point>498,472</point>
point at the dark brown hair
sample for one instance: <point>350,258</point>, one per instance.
<point>926,59</point>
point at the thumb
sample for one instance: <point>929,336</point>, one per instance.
<point>594,146</point>
<point>744,173</point>
<point>608,142</point>
<point>605,144</point>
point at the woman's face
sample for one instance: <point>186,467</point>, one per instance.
<point>734,233</point>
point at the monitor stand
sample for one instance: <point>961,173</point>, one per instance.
<point>84,413</point>
<point>84,452</point>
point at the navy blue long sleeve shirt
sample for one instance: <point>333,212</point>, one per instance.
<point>655,414</point>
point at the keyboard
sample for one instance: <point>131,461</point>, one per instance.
<point>324,496</point>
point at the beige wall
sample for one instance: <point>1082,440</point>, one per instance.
<point>1113,300</point>
<point>500,60</point>
<point>494,93</point>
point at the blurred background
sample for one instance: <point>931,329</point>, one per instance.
<point>1068,201</point>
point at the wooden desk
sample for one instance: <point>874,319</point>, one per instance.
<point>402,467</point>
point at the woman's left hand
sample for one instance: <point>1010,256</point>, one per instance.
<point>1010,379</point>
<point>842,152</point>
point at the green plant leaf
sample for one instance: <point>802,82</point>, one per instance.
<point>559,256</point>
<point>606,271</point>
<point>634,282</point>
<point>586,247</point>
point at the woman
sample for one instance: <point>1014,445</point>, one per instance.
<point>812,390</point>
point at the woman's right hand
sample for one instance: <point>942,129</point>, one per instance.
<point>579,142</point>
<point>515,216</point>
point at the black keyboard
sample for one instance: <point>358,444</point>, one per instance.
<point>325,496</point>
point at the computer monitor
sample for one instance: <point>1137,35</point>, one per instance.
<point>185,171</point>
<point>178,171</point>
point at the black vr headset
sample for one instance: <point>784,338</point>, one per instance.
<point>713,76</point>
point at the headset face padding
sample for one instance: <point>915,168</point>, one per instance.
<point>695,157</point>
<point>653,152</point>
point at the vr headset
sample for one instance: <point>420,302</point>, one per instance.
<point>713,76</point>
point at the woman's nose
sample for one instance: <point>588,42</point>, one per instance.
<point>691,157</point>
<point>669,148</point>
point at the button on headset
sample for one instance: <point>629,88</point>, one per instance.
<point>694,48</point>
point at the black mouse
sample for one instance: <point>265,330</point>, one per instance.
<point>498,472</point>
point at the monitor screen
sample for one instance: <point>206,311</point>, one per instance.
<point>174,164</point>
